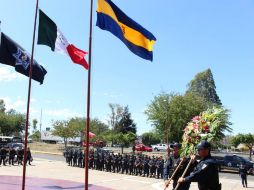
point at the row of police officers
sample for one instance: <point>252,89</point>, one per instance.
<point>204,171</point>
<point>11,156</point>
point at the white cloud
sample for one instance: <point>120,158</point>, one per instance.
<point>17,105</point>
<point>6,75</point>
<point>63,113</point>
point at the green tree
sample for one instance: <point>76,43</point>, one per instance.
<point>115,115</point>
<point>150,138</point>
<point>182,109</point>
<point>2,106</point>
<point>203,85</point>
<point>36,136</point>
<point>158,113</point>
<point>126,124</point>
<point>96,126</point>
<point>35,124</point>
<point>170,113</point>
<point>64,130</point>
<point>247,139</point>
<point>12,123</point>
<point>125,139</point>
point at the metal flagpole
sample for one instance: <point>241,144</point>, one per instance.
<point>88,97</point>
<point>28,100</point>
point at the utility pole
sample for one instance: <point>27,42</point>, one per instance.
<point>40,124</point>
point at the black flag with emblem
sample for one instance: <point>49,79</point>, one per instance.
<point>14,55</point>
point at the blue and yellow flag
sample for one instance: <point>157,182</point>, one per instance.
<point>134,36</point>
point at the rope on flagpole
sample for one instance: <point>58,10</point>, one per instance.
<point>28,99</point>
<point>88,97</point>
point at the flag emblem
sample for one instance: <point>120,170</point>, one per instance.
<point>22,58</point>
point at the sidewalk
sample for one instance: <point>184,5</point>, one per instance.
<point>42,168</point>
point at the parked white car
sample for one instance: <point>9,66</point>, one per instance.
<point>160,147</point>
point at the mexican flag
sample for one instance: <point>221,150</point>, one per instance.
<point>50,35</point>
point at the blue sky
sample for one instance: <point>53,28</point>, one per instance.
<point>191,37</point>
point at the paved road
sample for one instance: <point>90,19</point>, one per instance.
<point>49,157</point>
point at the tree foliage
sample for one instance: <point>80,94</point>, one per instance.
<point>125,139</point>
<point>158,113</point>
<point>11,122</point>
<point>2,106</point>
<point>64,130</point>
<point>247,139</point>
<point>203,85</point>
<point>126,124</point>
<point>150,138</point>
<point>96,127</point>
<point>35,121</point>
<point>169,113</point>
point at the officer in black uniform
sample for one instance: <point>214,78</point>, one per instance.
<point>160,166</point>
<point>118,163</point>
<point>152,167</point>
<point>20,156</point>
<point>75,158</point>
<point>12,154</point>
<point>3,154</point>
<point>206,172</point>
<point>168,164</point>
<point>131,164</point>
<point>137,166</point>
<point>81,158</point>
<point>176,160</point>
<point>91,160</point>
<point>70,155</point>
<point>145,165</point>
<point>243,173</point>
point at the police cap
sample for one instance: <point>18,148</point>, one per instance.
<point>177,145</point>
<point>204,145</point>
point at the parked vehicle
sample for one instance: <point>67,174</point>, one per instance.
<point>232,162</point>
<point>16,146</point>
<point>160,147</point>
<point>142,147</point>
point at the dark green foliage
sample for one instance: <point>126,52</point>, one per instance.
<point>11,122</point>
<point>170,113</point>
<point>203,85</point>
<point>150,138</point>
<point>126,124</point>
<point>247,139</point>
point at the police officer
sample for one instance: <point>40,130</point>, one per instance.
<point>145,165</point>
<point>159,167</point>
<point>20,156</point>
<point>175,161</point>
<point>243,174</point>
<point>137,166</point>
<point>206,172</point>
<point>168,164</point>
<point>75,158</point>
<point>91,160</point>
<point>3,154</point>
<point>81,159</point>
<point>152,167</point>
<point>28,156</point>
<point>12,154</point>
